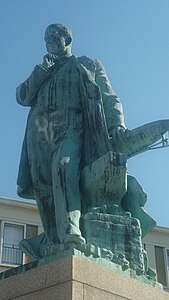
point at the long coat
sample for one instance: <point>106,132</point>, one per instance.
<point>102,112</point>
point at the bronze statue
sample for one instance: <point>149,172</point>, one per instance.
<point>73,160</point>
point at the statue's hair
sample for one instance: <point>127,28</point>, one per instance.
<point>66,31</point>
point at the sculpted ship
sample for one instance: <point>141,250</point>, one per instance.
<point>142,138</point>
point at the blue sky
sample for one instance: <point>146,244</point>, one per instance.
<point>129,37</point>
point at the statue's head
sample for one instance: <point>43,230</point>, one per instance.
<point>58,39</point>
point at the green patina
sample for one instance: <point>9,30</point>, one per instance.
<point>73,162</point>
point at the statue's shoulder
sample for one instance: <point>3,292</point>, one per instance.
<point>92,65</point>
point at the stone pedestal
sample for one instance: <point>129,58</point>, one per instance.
<point>75,278</point>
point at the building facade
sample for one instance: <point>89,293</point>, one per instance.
<point>156,244</point>
<point>20,219</point>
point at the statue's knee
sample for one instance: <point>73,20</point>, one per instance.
<point>64,160</point>
<point>59,163</point>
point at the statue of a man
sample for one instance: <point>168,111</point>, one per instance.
<point>73,112</point>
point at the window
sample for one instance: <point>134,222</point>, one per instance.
<point>31,231</point>
<point>168,265</point>
<point>160,265</point>
<point>11,237</point>
<point>168,259</point>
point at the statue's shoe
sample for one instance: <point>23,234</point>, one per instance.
<point>74,238</point>
<point>35,247</point>
<point>26,247</point>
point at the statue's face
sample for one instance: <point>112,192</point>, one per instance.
<point>55,41</point>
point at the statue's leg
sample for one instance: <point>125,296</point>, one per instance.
<point>46,209</point>
<point>65,183</point>
<point>40,154</point>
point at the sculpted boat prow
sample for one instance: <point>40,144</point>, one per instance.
<point>142,138</point>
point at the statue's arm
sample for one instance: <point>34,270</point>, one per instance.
<point>112,106</point>
<point>26,91</point>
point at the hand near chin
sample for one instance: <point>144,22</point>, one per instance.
<point>49,60</point>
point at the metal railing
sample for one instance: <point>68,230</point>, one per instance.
<point>11,254</point>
